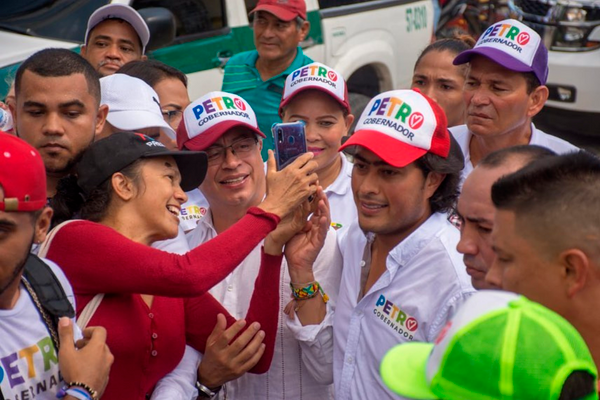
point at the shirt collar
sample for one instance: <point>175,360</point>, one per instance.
<point>412,245</point>
<point>297,63</point>
<point>340,185</point>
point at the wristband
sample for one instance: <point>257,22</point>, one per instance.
<point>205,392</point>
<point>78,393</point>
<point>308,291</point>
<point>75,391</point>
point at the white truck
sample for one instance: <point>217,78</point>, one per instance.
<point>571,32</point>
<point>372,43</point>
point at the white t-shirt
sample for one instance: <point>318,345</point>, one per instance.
<point>463,137</point>
<point>424,283</point>
<point>28,359</point>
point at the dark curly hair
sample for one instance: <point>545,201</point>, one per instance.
<point>69,201</point>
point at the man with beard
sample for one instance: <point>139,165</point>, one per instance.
<point>58,109</point>
<point>115,35</point>
<point>29,327</point>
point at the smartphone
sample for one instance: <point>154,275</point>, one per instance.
<point>290,142</point>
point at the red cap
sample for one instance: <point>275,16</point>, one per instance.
<point>22,175</point>
<point>285,10</point>
<point>401,126</point>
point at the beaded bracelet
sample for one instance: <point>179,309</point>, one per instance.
<point>308,291</point>
<point>78,390</point>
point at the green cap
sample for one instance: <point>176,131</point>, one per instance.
<point>499,345</point>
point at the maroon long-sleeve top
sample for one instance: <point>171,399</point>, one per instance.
<point>148,342</point>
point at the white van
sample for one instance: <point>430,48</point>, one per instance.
<point>372,43</point>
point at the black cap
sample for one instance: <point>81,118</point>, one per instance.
<point>109,155</point>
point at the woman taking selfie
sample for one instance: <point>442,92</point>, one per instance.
<point>128,193</point>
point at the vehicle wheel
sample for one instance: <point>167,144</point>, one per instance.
<point>358,102</point>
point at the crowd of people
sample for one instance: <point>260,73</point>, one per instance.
<point>446,249</point>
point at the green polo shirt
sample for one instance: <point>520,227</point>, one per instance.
<point>242,78</point>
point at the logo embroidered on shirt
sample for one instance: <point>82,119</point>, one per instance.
<point>395,317</point>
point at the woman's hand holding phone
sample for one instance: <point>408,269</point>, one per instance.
<point>288,188</point>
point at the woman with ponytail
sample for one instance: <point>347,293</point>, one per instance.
<point>127,195</point>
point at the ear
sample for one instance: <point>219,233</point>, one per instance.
<point>260,144</point>
<point>123,186</point>
<point>349,120</point>
<point>42,225</point>
<point>304,29</point>
<point>101,119</point>
<point>12,106</point>
<point>537,99</point>
<point>577,270</point>
<point>432,181</point>
<point>144,57</point>
<point>82,50</point>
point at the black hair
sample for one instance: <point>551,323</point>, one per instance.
<point>58,63</point>
<point>532,81</point>
<point>69,201</point>
<point>152,71</point>
<point>555,199</point>
<point>454,45</point>
<point>446,194</point>
<point>526,153</point>
<point>578,385</point>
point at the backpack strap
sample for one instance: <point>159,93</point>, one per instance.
<point>48,289</point>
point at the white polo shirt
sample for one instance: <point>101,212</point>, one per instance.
<point>425,282</point>
<point>341,200</point>
<point>463,136</point>
<point>288,376</point>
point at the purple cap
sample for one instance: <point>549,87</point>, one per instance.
<point>513,45</point>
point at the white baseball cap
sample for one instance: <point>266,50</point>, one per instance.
<point>124,12</point>
<point>132,104</point>
<point>401,126</point>
<point>209,117</point>
<point>319,77</point>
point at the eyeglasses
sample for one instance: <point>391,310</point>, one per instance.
<point>241,148</point>
<point>171,115</point>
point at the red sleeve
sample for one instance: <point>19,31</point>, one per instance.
<point>98,259</point>
<point>201,312</point>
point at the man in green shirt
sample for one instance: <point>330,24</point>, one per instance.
<point>259,75</point>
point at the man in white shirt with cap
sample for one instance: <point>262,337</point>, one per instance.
<point>505,88</point>
<point>402,277</point>
<point>133,106</point>
<point>115,35</point>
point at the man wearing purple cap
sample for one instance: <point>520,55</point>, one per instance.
<point>504,90</point>
<point>259,75</point>
<point>402,277</point>
<point>30,363</point>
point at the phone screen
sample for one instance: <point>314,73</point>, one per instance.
<point>290,142</point>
